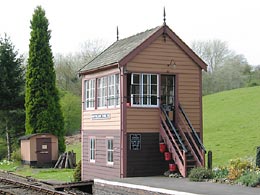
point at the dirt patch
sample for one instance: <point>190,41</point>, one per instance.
<point>70,140</point>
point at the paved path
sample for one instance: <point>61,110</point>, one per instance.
<point>184,185</point>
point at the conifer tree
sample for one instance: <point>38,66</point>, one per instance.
<point>43,111</point>
<point>11,93</point>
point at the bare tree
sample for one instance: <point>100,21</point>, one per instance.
<point>213,52</point>
<point>67,66</point>
<point>91,48</point>
<point>227,70</point>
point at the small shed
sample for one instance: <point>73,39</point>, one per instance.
<point>39,149</point>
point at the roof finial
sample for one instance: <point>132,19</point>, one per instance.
<point>164,24</point>
<point>164,16</point>
<point>117,33</point>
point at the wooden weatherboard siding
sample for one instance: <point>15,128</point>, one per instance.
<point>156,58</point>
<point>147,160</point>
<point>100,168</point>
<point>89,123</point>
<point>143,119</point>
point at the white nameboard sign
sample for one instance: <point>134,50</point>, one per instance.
<point>100,116</point>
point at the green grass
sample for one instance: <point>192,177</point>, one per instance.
<point>232,124</point>
<point>9,166</point>
<point>62,175</point>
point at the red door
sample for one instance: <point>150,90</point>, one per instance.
<point>43,149</point>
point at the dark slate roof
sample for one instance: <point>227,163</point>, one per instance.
<point>118,50</point>
<point>26,137</point>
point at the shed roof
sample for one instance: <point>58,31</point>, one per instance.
<point>121,51</point>
<point>26,137</point>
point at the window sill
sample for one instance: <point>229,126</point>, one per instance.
<point>110,164</point>
<point>144,106</point>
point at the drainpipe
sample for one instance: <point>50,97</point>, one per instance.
<point>122,123</point>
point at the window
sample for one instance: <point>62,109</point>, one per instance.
<point>113,90</point>
<point>89,93</point>
<point>102,92</point>
<point>92,149</point>
<point>144,89</point>
<point>108,91</point>
<point>110,151</point>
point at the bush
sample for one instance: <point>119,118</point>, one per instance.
<point>220,173</point>
<point>77,172</point>
<point>238,167</point>
<point>251,179</point>
<point>200,174</point>
<point>16,155</point>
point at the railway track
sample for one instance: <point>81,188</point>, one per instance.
<point>13,187</point>
<point>11,184</point>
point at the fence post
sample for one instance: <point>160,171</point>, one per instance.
<point>210,160</point>
<point>258,156</point>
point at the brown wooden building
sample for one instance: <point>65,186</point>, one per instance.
<point>142,91</point>
<point>39,149</point>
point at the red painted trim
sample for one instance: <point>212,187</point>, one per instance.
<point>201,112</point>
<point>201,116</point>
<point>176,97</point>
<point>124,124</point>
<point>103,68</point>
<point>123,138</point>
<point>96,92</point>
<point>82,100</point>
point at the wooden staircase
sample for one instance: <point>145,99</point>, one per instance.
<point>182,141</point>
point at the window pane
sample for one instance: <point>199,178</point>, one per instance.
<point>154,79</point>
<point>136,79</point>
<point>144,79</point>
<point>92,149</point>
<point>154,89</point>
<point>110,150</point>
<point>153,100</point>
<point>136,99</point>
<point>111,158</point>
<point>89,93</point>
<point>111,144</point>
<point>136,89</point>
<point>145,99</point>
<point>145,91</point>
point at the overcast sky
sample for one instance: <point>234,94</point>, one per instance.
<point>73,22</point>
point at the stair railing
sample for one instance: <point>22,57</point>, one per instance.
<point>197,143</point>
<point>173,129</point>
<point>193,130</point>
<point>179,154</point>
<point>195,151</point>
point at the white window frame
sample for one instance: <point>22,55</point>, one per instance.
<point>110,151</point>
<point>113,90</point>
<point>89,94</point>
<point>92,149</point>
<point>108,91</point>
<point>102,92</point>
<point>141,90</point>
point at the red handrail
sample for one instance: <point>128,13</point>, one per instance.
<point>178,156</point>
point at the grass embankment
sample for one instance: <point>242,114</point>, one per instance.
<point>232,124</point>
<point>63,175</point>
